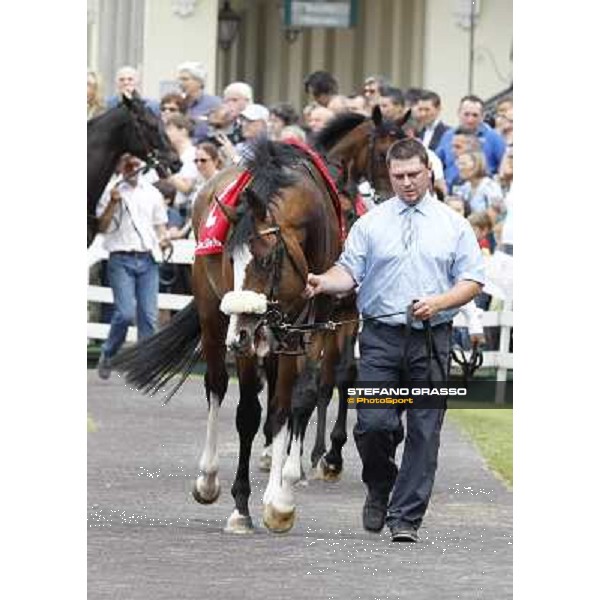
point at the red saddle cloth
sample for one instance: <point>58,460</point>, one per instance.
<point>213,233</point>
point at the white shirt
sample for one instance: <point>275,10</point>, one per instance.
<point>428,133</point>
<point>436,165</point>
<point>188,171</point>
<point>132,227</point>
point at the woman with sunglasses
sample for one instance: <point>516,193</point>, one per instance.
<point>208,162</point>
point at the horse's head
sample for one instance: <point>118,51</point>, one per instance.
<point>361,151</point>
<point>145,137</point>
<point>287,226</point>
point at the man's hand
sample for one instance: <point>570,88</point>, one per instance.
<point>426,308</point>
<point>229,149</point>
<point>165,243</point>
<point>477,339</point>
<point>115,196</point>
<point>315,284</point>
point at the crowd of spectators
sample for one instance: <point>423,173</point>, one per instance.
<point>471,162</point>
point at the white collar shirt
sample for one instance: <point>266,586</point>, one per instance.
<point>134,222</point>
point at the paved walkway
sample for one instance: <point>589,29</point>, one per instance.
<point>148,539</point>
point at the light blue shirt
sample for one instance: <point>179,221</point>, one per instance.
<point>443,251</point>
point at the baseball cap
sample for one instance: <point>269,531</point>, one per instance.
<point>255,112</point>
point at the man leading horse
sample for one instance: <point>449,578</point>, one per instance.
<point>410,251</point>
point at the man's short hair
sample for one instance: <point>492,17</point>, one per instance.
<point>433,96</point>
<point>406,149</point>
<point>380,80</point>
<point>321,82</point>
<point>394,94</point>
<point>241,88</point>
<point>286,112</point>
<point>412,96</point>
<point>463,131</point>
<point>471,98</point>
<point>127,69</point>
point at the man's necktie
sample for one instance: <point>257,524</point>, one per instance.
<point>408,231</point>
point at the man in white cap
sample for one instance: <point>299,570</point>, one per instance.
<point>192,77</point>
<point>254,118</point>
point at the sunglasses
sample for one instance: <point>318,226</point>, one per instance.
<point>169,109</point>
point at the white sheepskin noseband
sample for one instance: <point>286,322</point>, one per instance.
<point>244,302</point>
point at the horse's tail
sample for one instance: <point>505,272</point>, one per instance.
<point>152,362</point>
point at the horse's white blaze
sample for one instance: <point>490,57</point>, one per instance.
<point>209,462</point>
<point>241,259</point>
<point>278,456</point>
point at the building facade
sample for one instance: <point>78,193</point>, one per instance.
<point>414,43</point>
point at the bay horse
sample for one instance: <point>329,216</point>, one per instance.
<point>356,146</point>
<point>128,127</point>
<point>285,187</point>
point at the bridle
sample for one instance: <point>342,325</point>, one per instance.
<point>152,157</point>
<point>290,337</point>
<point>375,133</point>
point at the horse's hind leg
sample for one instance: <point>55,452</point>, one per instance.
<point>324,393</point>
<point>331,465</point>
<point>247,422</point>
<point>270,366</point>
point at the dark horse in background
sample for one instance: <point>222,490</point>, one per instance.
<point>285,226</point>
<point>129,127</point>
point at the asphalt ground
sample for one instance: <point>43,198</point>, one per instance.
<point>148,538</point>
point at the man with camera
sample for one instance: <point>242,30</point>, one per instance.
<point>132,216</point>
<point>254,119</point>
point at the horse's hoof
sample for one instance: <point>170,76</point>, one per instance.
<point>265,462</point>
<point>238,523</point>
<point>278,521</point>
<point>315,457</point>
<point>328,472</point>
<point>206,489</point>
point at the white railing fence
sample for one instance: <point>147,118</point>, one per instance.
<point>183,253</point>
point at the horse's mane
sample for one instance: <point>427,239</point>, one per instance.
<point>99,119</point>
<point>270,168</point>
<point>337,128</point>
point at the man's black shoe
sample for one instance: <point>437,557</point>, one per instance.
<point>374,515</point>
<point>104,366</point>
<point>404,533</point>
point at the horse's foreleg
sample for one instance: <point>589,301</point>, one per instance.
<point>247,422</point>
<point>207,487</point>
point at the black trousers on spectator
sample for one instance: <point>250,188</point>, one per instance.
<point>397,356</point>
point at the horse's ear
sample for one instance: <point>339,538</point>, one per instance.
<point>404,118</point>
<point>377,116</point>
<point>126,99</point>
